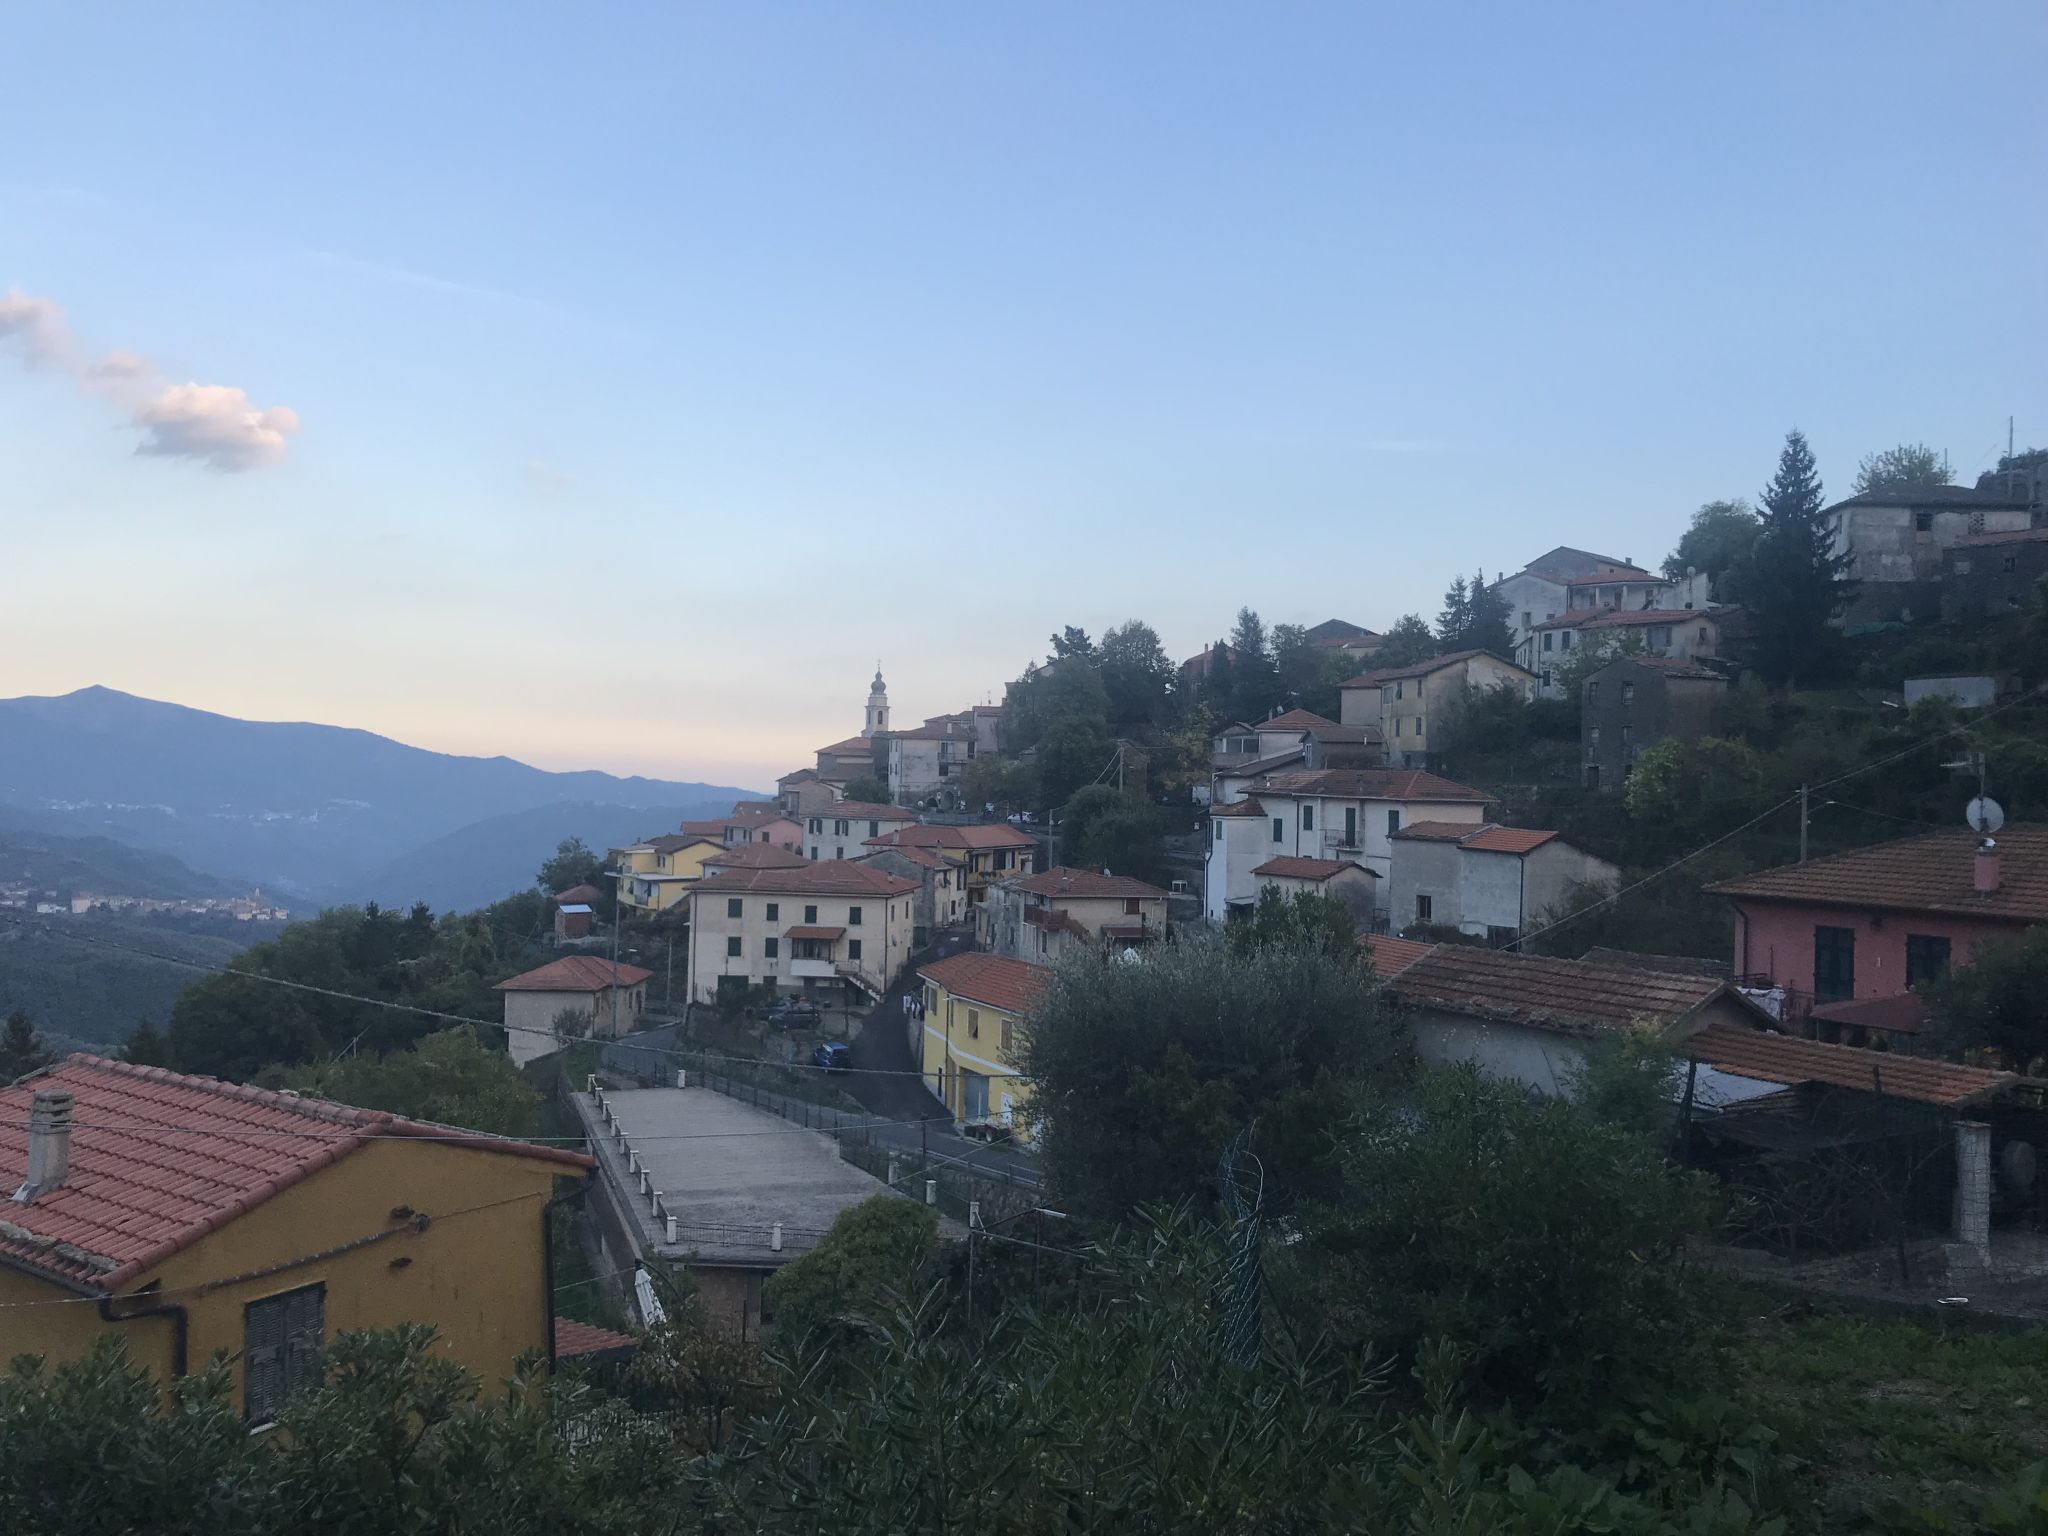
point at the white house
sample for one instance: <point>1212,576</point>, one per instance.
<point>1490,881</point>
<point>1339,879</point>
<point>1542,589</point>
<point>813,927</point>
<point>839,830</point>
<point>1241,753</point>
<point>1676,634</point>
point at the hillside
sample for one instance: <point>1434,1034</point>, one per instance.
<point>101,865</point>
<point>312,811</point>
<point>83,991</point>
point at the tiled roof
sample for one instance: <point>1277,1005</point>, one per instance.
<point>1773,1058</point>
<point>1438,831</point>
<point>813,931</point>
<point>1372,784</point>
<point>801,776</point>
<point>1542,566</point>
<point>1299,720</point>
<point>1933,872</point>
<point>952,837</point>
<point>577,893</point>
<point>1565,995</point>
<point>748,812</point>
<point>1246,807</point>
<point>1288,867</point>
<point>674,842</point>
<point>1054,921</point>
<point>917,856</point>
<point>2010,536</point>
<point>820,877</point>
<point>573,1339</point>
<point>852,746</point>
<point>712,827</point>
<point>864,810</point>
<point>1493,839</point>
<point>1391,956</point>
<point>756,856</point>
<point>1623,618</point>
<point>1380,675</point>
<point>159,1159</point>
<point>574,973</point>
<point>1011,985</point>
<point>1961,498</point>
<point>1687,964</point>
<point>1252,768</point>
<point>1670,666</point>
<point>1905,1012</point>
<point>1063,880</point>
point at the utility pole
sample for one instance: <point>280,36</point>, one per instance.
<point>616,921</point>
<point>1802,823</point>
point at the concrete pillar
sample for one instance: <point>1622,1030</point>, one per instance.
<point>892,1171</point>
<point>931,1191</point>
<point>775,1237</point>
<point>671,1228</point>
<point>1973,1186</point>
<point>682,1077</point>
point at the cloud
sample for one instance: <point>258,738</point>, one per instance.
<point>212,423</point>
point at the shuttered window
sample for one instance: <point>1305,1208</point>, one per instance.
<point>283,1339</point>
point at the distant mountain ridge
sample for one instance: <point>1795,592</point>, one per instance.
<point>101,866</point>
<point>318,812</point>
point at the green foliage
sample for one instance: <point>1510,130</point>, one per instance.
<point>707,1376</point>
<point>1791,583</point>
<point>147,1046</point>
<point>1991,1000</point>
<point>874,1256</point>
<point>1694,790</point>
<point>1628,1080</point>
<point>1254,679</point>
<point>1309,673</point>
<point>1596,649</point>
<point>1543,1243</point>
<point>73,981</point>
<point>1105,828</point>
<point>21,1049</point>
<point>1075,751</point>
<point>1411,640</point>
<point>1474,618</point>
<point>570,864</point>
<point>997,781</point>
<point>1908,467</point>
<point>1304,922</point>
<point>1143,1072</point>
<point>447,1077</point>
<point>868,789</point>
<point>1717,540</point>
<point>1137,677</point>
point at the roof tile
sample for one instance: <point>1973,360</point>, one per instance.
<point>1063,880</point>
<point>574,973</point>
<point>1289,867</point>
<point>1774,1058</point>
<point>1933,872</point>
<point>1569,996</point>
<point>1011,985</point>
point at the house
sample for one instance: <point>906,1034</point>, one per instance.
<point>845,761</point>
<point>192,1218</point>
<point>922,764</point>
<point>841,830</point>
<point>1542,589</point>
<point>1390,956</point>
<point>803,793</point>
<point>751,821</point>
<point>655,874</point>
<point>1037,917</point>
<point>1676,634</point>
<point>1897,543</point>
<point>822,926</point>
<point>1399,701</point>
<point>1634,702</point>
<point>1988,575</point>
<point>1878,921</point>
<point>606,998</point>
<point>1490,881</point>
<point>1349,814</point>
<point>1240,753</point>
<point>1339,879</point>
<point>573,920</point>
<point>986,853</point>
<point>693,1178</point>
<point>1194,672</point>
<point>941,900</point>
<point>753,856</point>
<point>971,1044</point>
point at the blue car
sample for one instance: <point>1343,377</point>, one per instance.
<point>833,1055</point>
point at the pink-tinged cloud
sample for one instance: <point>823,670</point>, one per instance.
<point>212,423</point>
<point>215,424</point>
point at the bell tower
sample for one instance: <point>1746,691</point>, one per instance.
<point>878,706</point>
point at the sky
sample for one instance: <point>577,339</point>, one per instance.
<point>614,386</point>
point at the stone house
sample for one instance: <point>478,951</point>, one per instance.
<point>1675,634</point>
<point>1400,701</point>
<point>1988,575</point>
<point>1897,542</point>
<point>941,900</point>
<point>1630,705</point>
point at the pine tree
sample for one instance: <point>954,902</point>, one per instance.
<point>1256,688</point>
<point>1489,629</point>
<point>1455,621</point>
<point>1792,584</point>
<point>21,1048</point>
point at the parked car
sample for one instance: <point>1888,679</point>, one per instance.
<point>833,1055</point>
<point>792,1013</point>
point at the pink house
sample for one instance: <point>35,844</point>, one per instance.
<point>1879,921</point>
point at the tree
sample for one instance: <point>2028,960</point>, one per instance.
<point>1908,467</point>
<point>1456,617</point>
<point>448,1077</point>
<point>1142,1073</point>
<point>1137,677</point>
<point>1596,648</point>
<point>1687,791</point>
<point>1715,542</point>
<point>2014,472</point>
<point>1792,583</point>
<point>996,781</point>
<point>1304,922</point>
<point>1489,629</point>
<point>1309,673</point>
<point>871,1260</point>
<point>1073,641</point>
<point>1411,640</point>
<point>233,1026</point>
<point>571,864</point>
<point>1255,682</point>
<point>147,1046</point>
<point>1076,750</point>
<point>1103,827</point>
<point>869,790</point>
<point>21,1049</point>
<point>1992,1001</point>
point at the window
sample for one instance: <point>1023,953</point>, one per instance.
<point>1418,725</point>
<point>1350,826</point>
<point>1279,829</point>
<point>1423,909</point>
<point>1548,636</point>
<point>1308,818</point>
<point>1834,964</point>
<point>1545,676</point>
<point>1705,633</point>
<point>1592,736</point>
<point>1397,725</point>
<point>1219,831</point>
<point>839,827</point>
<point>1592,693</point>
<point>1627,735</point>
<point>1130,906</point>
<point>974,1023</point>
<point>839,853</point>
<point>770,948</point>
<point>1628,693</point>
<point>874,829</point>
<point>1926,958</point>
<point>1007,1037</point>
<point>283,1338</point>
<point>810,914</point>
<point>1923,522</point>
<point>774,911</point>
<point>732,946</point>
<point>732,906</point>
<point>1525,619</point>
<point>1393,822</point>
<point>853,917</point>
<point>817,825</point>
<point>2008,563</point>
<point>814,850</point>
<point>853,949</point>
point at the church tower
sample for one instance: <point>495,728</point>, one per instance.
<point>878,706</point>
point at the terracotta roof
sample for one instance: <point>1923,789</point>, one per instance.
<point>850,747</point>
<point>1380,675</point>
<point>1670,666</point>
<point>1054,921</point>
<point>2010,536</point>
<point>1299,720</point>
<point>1391,956</point>
<point>952,837</point>
<point>1011,985</point>
<point>917,856</point>
<point>574,973</point>
<point>1621,618</point>
<point>748,811</point>
<point>813,931</point>
<point>1569,996</point>
<point>1246,807</point>
<point>1686,964</point>
<point>1538,566</point>
<point>1372,784</point>
<point>674,842</point>
<point>800,776</point>
<point>1905,1012</point>
<point>573,1339</point>
<point>1933,872</point>
<point>1064,880</point>
<point>1494,839</point>
<point>1288,867</point>
<point>1438,831</point>
<point>821,877</point>
<point>864,810</point>
<point>756,856</point>
<point>712,827</point>
<point>577,893</point>
<point>1773,1058</point>
<point>159,1160</point>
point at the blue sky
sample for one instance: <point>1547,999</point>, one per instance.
<point>657,369</point>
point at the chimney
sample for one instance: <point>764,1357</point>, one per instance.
<point>49,1145</point>
<point>1987,868</point>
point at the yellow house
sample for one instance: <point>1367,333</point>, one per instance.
<point>657,874</point>
<point>193,1218</point>
<point>971,1046</point>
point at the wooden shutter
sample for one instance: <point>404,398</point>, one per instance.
<point>305,1338</point>
<point>263,1359</point>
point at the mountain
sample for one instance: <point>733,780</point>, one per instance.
<point>313,811</point>
<point>87,981</point>
<point>49,862</point>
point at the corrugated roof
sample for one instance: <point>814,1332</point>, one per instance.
<point>1933,872</point>
<point>1011,985</point>
<point>1773,1058</point>
<point>1063,880</point>
<point>160,1159</point>
<point>574,973</point>
<point>1569,996</point>
<point>1289,867</point>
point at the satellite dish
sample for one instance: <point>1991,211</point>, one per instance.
<point>1984,814</point>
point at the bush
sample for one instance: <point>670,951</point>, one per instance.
<point>871,1262</point>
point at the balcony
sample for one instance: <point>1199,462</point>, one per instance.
<point>821,969</point>
<point>1338,843</point>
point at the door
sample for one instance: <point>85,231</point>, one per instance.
<point>1834,964</point>
<point>1350,826</point>
<point>973,1097</point>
